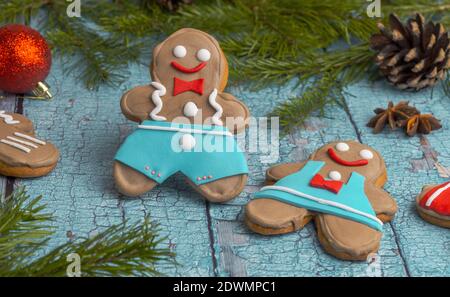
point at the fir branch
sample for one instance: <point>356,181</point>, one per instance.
<point>350,64</point>
<point>23,228</point>
<point>320,93</point>
<point>120,250</point>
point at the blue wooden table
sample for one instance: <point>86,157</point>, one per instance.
<point>211,239</point>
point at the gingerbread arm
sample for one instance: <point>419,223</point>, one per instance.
<point>235,110</point>
<point>383,204</point>
<point>137,104</point>
<point>277,172</point>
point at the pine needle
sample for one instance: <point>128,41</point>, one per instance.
<point>120,250</point>
<point>320,93</point>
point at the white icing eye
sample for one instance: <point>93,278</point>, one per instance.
<point>366,154</point>
<point>179,51</point>
<point>203,55</point>
<point>190,109</point>
<point>334,175</point>
<point>342,147</point>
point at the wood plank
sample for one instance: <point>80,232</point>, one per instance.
<point>242,252</point>
<point>7,103</point>
<point>410,162</point>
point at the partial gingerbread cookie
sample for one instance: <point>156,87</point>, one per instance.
<point>433,204</point>
<point>187,122</point>
<point>22,154</point>
<point>339,187</point>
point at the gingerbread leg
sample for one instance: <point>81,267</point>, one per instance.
<point>130,182</point>
<point>269,216</point>
<point>222,190</point>
<point>345,239</point>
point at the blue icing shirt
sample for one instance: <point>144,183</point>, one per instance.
<point>350,203</point>
<point>203,153</point>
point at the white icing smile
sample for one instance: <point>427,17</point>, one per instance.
<point>190,109</point>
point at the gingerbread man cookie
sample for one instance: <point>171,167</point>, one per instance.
<point>22,154</point>
<point>183,108</point>
<point>340,187</point>
<point>433,204</point>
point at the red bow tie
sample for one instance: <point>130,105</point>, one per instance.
<point>181,86</point>
<point>331,185</point>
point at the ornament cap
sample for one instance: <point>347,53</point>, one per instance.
<point>42,91</point>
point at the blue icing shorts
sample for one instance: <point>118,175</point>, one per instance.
<point>202,153</point>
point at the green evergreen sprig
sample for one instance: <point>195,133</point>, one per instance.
<point>120,250</point>
<point>321,92</point>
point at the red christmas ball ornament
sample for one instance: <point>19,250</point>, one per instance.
<point>25,59</point>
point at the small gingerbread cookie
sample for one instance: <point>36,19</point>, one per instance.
<point>183,108</point>
<point>340,187</point>
<point>433,204</point>
<point>22,154</point>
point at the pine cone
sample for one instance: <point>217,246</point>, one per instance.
<point>412,56</point>
<point>173,5</point>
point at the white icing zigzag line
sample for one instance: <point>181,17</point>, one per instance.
<point>16,145</point>
<point>7,118</point>
<point>35,140</point>
<point>436,194</point>
<point>216,117</point>
<point>156,98</point>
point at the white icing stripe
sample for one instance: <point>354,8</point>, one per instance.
<point>323,201</point>
<point>436,194</point>
<point>156,98</point>
<point>16,145</point>
<point>212,100</point>
<point>22,141</point>
<point>35,140</point>
<point>8,118</point>
<point>185,130</point>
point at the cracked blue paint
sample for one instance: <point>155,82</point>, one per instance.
<point>88,127</point>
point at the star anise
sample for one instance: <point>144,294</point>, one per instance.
<point>392,116</point>
<point>421,123</point>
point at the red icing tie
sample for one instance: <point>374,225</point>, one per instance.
<point>181,86</point>
<point>331,185</point>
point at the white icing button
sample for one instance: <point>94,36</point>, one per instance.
<point>179,51</point>
<point>187,142</point>
<point>203,55</point>
<point>190,109</point>
<point>342,147</point>
<point>334,175</point>
<point>366,154</point>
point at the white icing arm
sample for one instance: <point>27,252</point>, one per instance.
<point>216,117</point>
<point>156,98</point>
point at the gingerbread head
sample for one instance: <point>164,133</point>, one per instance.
<point>340,187</point>
<point>189,73</point>
<point>184,106</point>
